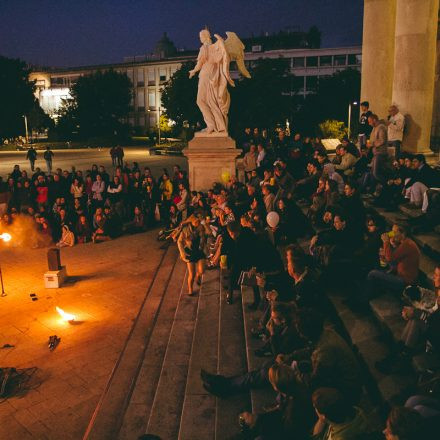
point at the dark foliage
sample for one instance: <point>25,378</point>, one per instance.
<point>98,108</point>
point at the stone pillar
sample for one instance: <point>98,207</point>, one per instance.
<point>414,69</point>
<point>209,156</point>
<point>435,130</point>
<point>378,54</point>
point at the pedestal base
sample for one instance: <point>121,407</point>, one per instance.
<point>54,278</point>
<point>208,158</point>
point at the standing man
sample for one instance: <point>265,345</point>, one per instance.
<point>31,155</point>
<point>114,155</point>
<point>364,127</point>
<point>120,155</point>
<point>379,143</point>
<point>48,155</point>
<point>396,125</point>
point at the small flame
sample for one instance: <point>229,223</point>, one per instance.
<point>64,315</point>
<point>5,236</point>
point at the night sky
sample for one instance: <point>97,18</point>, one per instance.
<point>81,32</point>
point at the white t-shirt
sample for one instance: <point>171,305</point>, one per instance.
<point>395,127</point>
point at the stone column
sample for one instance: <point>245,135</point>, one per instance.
<point>378,54</point>
<point>435,130</point>
<point>210,156</point>
<point>414,69</point>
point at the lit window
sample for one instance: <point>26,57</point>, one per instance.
<point>152,99</point>
<point>162,74</point>
<point>151,77</point>
<point>140,101</point>
<point>140,78</point>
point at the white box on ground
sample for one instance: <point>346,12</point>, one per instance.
<point>54,278</point>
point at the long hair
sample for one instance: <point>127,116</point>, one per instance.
<point>283,378</point>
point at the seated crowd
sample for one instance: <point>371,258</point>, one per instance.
<point>297,228</point>
<point>69,207</point>
<point>294,229</point>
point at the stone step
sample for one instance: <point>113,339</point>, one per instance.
<point>139,408</point>
<point>164,419</point>
<point>231,362</point>
<point>368,342</point>
<point>260,398</point>
<point>107,417</point>
<point>387,309</point>
<point>199,407</point>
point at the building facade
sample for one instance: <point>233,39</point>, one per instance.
<point>148,74</point>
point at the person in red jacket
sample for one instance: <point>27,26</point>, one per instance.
<point>42,191</point>
<point>402,256</point>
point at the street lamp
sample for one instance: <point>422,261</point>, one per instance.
<point>349,117</point>
<point>5,237</point>
<point>26,128</point>
<point>158,124</point>
<point>159,110</point>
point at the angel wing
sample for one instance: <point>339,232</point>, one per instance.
<point>235,49</point>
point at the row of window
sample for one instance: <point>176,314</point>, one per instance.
<point>141,121</point>
<point>142,97</point>
<point>63,81</point>
<point>327,61</point>
<point>320,61</point>
<point>149,77</point>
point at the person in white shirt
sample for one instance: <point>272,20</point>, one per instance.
<point>261,155</point>
<point>396,125</point>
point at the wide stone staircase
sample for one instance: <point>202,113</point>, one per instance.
<point>155,386</point>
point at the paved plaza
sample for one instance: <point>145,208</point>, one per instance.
<point>106,286</point>
<point>84,158</point>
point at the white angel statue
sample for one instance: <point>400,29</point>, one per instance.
<point>213,61</point>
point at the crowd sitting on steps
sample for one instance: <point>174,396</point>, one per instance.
<point>298,227</point>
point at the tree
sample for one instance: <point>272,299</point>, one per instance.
<point>98,108</point>
<point>179,97</point>
<point>331,100</point>
<point>264,100</point>
<point>333,129</point>
<point>38,120</point>
<point>16,96</point>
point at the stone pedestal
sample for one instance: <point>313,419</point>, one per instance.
<point>53,279</point>
<point>209,156</point>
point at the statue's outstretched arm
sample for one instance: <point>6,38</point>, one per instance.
<point>198,66</point>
